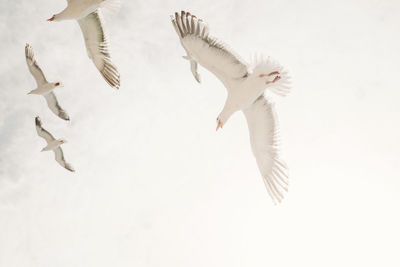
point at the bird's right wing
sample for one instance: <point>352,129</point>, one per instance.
<point>97,47</point>
<point>52,103</point>
<point>33,66</point>
<point>42,132</point>
<point>61,160</point>
<point>208,51</point>
<point>264,139</point>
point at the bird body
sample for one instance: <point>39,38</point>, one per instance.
<point>246,84</point>
<point>44,89</point>
<point>78,9</point>
<point>53,144</point>
<point>241,95</point>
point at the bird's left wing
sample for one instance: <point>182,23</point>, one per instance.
<point>52,103</point>
<point>92,27</point>
<point>61,160</point>
<point>33,66</point>
<point>42,132</point>
<point>264,139</point>
<point>208,51</point>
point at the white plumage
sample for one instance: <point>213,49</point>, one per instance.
<point>44,87</point>
<point>245,84</point>
<point>53,144</point>
<point>89,16</point>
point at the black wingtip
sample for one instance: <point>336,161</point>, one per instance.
<point>69,168</point>
<point>38,122</point>
<point>64,116</point>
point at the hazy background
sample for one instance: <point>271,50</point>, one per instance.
<point>157,186</point>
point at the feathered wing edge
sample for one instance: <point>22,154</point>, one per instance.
<point>48,137</point>
<point>55,107</point>
<point>265,64</point>
<point>194,34</point>
<point>264,138</point>
<point>277,181</point>
<point>97,47</point>
<point>188,24</point>
<point>33,66</point>
<point>59,156</point>
<point>195,27</point>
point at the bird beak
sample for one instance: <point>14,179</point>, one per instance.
<point>51,19</point>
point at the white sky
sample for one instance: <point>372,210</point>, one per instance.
<point>157,186</point>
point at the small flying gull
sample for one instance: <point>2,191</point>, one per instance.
<point>90,19</point>
<point>44,87</point>
<point>245,84</point>
<point>53,144</point>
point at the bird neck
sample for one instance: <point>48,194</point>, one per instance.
<point>227,111</point>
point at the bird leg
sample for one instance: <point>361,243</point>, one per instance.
<point>277,77</point>
<point>274,80</point>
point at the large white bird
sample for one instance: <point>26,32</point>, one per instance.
<point>89,16</point>
<point>245,84</point>
<point>44,87</point>
<point>53,144</point>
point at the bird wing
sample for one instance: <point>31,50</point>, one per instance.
<point>33,66</point>
<point>61,160</point>
<point>42,132</point>
<point>97,47</point>
<point>208,51</point>
<point>264,139</point>
<point>52,103</point>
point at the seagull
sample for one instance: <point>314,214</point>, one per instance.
<point>53,144</point>
<point>44,87</point>
<point>89,16</point>
<point>246,84</point>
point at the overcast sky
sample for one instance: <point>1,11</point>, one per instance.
<point>155,185</point>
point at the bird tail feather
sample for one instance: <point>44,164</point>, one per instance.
<point>264,65</point>
<point>112,6</point>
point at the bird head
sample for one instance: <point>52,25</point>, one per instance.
<point>58,84</point>
<point>62,141</point>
